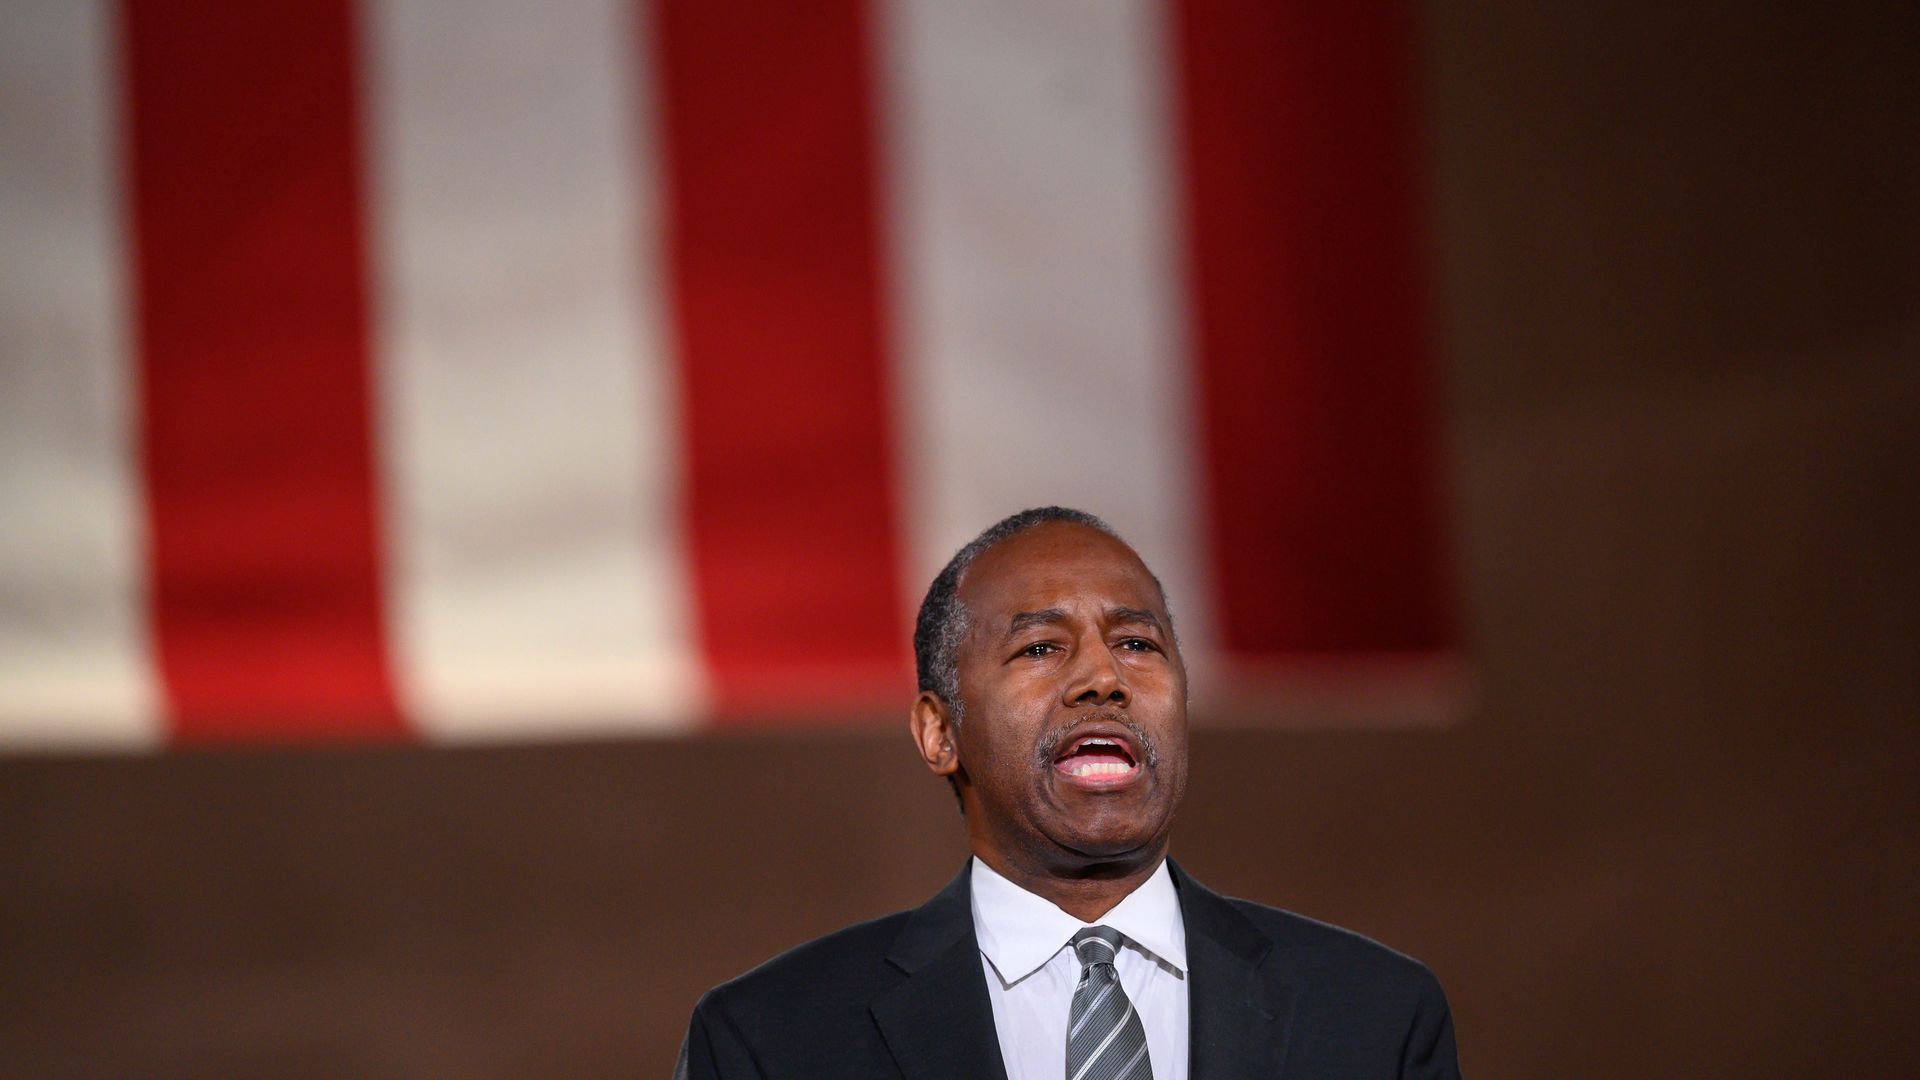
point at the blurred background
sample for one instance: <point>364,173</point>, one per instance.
<point>467,470</point>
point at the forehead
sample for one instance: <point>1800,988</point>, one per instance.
<point>1058,564</point>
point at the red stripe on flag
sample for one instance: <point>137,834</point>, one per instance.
<point>244,179</point>
<point>1315,365</point>
<point>774,252</point>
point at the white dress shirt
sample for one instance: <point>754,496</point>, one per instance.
<point>1031,972</point>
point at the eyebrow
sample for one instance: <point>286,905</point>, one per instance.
<point>1050,616</point>
<point>1133,615</point>
<point>1026,619</point>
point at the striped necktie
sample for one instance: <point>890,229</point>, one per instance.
<point>1105,1040</point>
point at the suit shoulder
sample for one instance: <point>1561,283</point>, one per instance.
<point>1342,950</point>
<point>803,1013</point>
<point>1361,1008</point>
<point>850,958</point>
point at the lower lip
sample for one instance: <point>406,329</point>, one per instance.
<point>1099,781</point>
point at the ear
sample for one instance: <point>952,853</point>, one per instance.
<point>934,734</point>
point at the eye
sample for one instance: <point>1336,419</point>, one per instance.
<point>1136,644</point>
<point>1038,648</point>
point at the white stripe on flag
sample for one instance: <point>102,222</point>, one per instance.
<point>528,411</point>
<point>74,662</point>
<point>1036,270</point>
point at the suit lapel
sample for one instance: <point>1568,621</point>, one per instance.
<point>1238,1011</point>
<point>938,1021</point>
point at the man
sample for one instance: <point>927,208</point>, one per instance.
<point>1053,698</point>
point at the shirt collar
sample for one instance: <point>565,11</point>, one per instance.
<point>1019,931</point>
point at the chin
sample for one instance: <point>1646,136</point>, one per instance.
<point>1112,841</point>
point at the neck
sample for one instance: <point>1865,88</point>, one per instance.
<point>1084,892</point>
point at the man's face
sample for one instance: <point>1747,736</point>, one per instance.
<point>1073,742</point>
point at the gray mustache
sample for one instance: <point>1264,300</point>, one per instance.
<point>1049,743</point>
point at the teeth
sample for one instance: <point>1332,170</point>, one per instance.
<point>1104,768</point>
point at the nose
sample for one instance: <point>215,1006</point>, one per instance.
<point>1096,677</point>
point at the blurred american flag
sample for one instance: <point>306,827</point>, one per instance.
<point>408,368</point>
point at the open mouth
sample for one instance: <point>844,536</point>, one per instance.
<point>1098,761</point>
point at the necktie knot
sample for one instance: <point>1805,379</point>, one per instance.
<point>1097,945</point>
<point>1105,1038</point>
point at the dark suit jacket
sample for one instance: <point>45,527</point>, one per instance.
<point>905,998</point>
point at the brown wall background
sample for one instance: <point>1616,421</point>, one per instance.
<point>1679,251</point>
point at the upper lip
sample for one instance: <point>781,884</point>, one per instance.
<point>1099,729</point>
